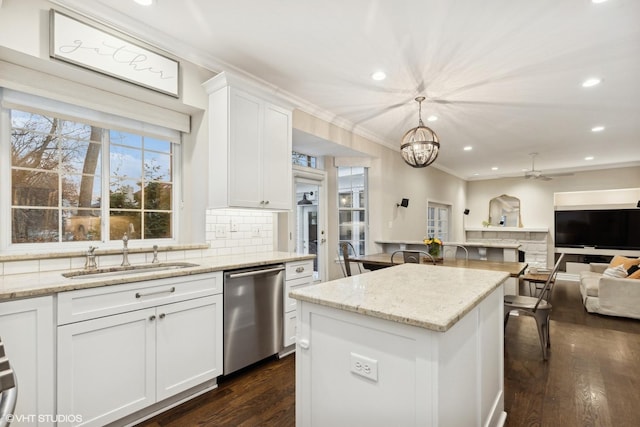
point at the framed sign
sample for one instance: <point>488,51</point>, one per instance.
<point>87,46</point>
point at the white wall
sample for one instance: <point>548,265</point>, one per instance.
<point>536,197</point>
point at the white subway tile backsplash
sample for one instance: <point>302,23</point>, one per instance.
<point>19,267</point>
<point>55,264</point>
<point>244,240</point>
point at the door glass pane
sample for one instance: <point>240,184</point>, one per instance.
<point>308,232</point>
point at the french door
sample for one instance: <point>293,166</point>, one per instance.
<point>310,218</point>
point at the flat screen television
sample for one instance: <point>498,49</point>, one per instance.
<point>604,229</point>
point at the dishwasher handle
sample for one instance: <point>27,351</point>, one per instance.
<point>255,272</point>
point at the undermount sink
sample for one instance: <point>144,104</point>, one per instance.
<point>131,269</point>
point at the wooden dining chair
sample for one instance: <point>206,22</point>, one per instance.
<point>536,307</point>
<point>346,251</point>
<point>412,257</point>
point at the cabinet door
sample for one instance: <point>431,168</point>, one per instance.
<point>276,156</point>
<point>27,330</point>
<point>189,344</point>
<point>245,155</point>
<point>289,329</point>
<point>106,366</point>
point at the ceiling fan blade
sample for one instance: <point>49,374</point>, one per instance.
<point>559,174</point>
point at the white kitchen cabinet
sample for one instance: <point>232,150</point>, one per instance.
<point>297,275</point>
<point>27,330</point>
<point>111,366</point>
<point>249,146</point>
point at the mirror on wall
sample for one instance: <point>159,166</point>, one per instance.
<point>504,211</point>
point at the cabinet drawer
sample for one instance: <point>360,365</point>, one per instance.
<point>290,303</point>
<point>85,304</point>
<point>298,269</point>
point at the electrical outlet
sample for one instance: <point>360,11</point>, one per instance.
<point>255,231</point>
<point>364,366</point>
<point>234,227</point>
<point>221,231</point>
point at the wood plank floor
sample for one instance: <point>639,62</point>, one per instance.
<point>592,378</point>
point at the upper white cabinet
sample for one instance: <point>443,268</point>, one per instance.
<point>249,145</point>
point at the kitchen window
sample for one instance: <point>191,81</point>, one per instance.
<point>81,180</point>
<point>352,207</point>
<point>305,160</point>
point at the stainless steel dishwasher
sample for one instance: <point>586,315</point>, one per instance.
<point>252,315</point>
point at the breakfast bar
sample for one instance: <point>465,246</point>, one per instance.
<point>410,345</point>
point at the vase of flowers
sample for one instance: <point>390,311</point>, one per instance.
<point>434,246</point>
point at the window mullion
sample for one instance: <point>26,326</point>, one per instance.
<point>106,182</point>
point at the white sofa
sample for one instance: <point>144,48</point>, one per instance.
<point>609,295</point>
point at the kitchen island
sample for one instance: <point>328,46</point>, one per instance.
<point>410,345</point>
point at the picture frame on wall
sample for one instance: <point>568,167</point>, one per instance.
<point>112,54</point>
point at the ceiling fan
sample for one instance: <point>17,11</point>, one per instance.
<point>537,174</point>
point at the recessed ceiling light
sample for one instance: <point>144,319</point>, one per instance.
<point>379,75</point>
<point>597,129</point>
<point>144,2</point>
<point>476,174</point>
<point>468,148</point>
<point>598,1</point>
<point>593,81</point>
<point>432,118</point>
<point>495,168</point>
<point>589,158</point>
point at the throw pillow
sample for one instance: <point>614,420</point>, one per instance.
<point>634,272</point>
<point>624,261</point>
<point>619,272</point>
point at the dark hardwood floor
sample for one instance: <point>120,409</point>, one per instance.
<point>592,378</point>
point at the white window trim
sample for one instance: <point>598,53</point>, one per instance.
<point>11,99</point>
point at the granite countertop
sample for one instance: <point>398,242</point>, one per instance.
<point>45,283</point>
<point>427,296</point>
<point>467,244</point>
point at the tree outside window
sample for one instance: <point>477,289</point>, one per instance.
<point>57,182</point>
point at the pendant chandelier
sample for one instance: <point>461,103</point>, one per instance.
<point>420,145</point>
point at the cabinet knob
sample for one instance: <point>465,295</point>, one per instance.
<point>266,202</point>
<point>152,317</point>
<point>162,315</point>
<point>299,269</point>
<point>304,344</point>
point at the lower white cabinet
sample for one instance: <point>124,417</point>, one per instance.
<point>27,330</point>
<point>112,366</point>
<point>298,273</point>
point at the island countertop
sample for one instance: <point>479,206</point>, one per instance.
<point>426,296</point>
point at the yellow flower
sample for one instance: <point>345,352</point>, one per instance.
<point>432,240</point>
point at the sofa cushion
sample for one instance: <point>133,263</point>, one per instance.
<point>634,275</point>
<point>619,272</point>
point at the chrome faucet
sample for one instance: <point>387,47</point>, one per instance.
<point>155,255</point>
<point>125,251</point>
<point>90,263</point>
